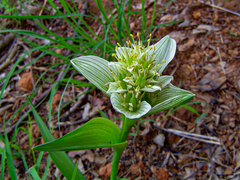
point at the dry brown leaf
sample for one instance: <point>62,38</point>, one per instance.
<point>89,156</point>
<point>137,168</point>
<point>25,82</point>
<point>187,45</point>
<point>106,170</point>
<point>161,174</point>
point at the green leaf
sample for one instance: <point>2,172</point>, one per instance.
<point>61,159</point>
<point>117,102</point>
<point>95,69</point>
<point>10,164</point>
<point>169,97</point>
<point>34,173</point>
<point>200,117</point>
<point>96,133</point>
<point>190,108</point>
<point>164,50</point>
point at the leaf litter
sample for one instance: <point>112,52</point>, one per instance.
<point>206,63</point>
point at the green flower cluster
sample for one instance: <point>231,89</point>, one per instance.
<point>135,82</point>
<point>136,74</point>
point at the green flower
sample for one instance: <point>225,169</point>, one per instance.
<point>135,82</point>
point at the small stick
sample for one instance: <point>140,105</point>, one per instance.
<point>45,2</point>
<point>218,51</point>
<point>194,136</point>
<point>178,119</point>
<point>9,58</point>
<point>221,8</point>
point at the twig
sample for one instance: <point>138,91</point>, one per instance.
<point>236,96</point>
<point>221,8</point>
<point>173,72</point>
<point>9,58</point>
<point>191,156</point>
<point>194,136</point>
<point>6,40</point>
<point>3,109</point>
<point>68,123</point>
<point>178,119</point>
<point>218,51</point>
<point>36,101</point>
<point>75,106</point>
<point>166,159</point>
<point>48,90</point>
<point>44,4</point>
<point>221,164</point>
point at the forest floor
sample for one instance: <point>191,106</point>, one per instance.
<point>207,63</point>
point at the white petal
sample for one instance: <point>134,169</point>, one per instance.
<point>123,52</point>
<point>117,67</point>
<point>151,89</point>
<point>117,102</point>
<point>164,80</point>
<point>95,69</point>
<point>113,87</point>
<point>164,50</point>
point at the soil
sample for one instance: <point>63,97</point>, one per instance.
<point>206,63</point>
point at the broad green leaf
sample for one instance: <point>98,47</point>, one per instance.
<point>169,97</point>
<point>61,159</point>
<point>96,133</point>
<point>117,102</point>
<point>95,69</point>
<point>164,50</point>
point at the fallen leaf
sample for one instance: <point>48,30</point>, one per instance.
<point>89,156</point>
<point>187,45</point>
<point>72,154</point>
<point>106,170</point>
<point>207,27</point>
<point>25,82</point>
<point>159,139</point>
<point>86,110</point>
<point>167,17</point>
<point>136,169</point>
<point>100,160</point>
<point>177,36</point>
<point>161,174</point>
<point>216,83</point>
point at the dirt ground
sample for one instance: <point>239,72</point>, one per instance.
<point>207,63</point>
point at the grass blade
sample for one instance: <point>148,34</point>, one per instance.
<point>34,173</point>
<point>61,159</point>
<point>10,164</point>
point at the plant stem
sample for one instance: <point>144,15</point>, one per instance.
<point>117,151</point>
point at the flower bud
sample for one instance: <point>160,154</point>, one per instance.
<point>133,102</point>
<point>141,81</point>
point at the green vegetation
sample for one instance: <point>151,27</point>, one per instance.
<point>114,27</point>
